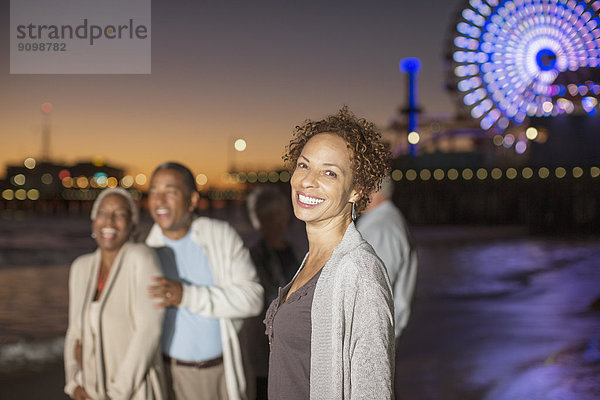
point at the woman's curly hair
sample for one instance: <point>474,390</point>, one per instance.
<point>369,155</point>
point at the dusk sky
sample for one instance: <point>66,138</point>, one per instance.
<point>221,71</point>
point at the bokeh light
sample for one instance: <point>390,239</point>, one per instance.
<point>63,174</point>
<point>467,174</point>
<point>284,176</point>
<point>19,180</point>
<point>141,179</point>
<point>82,182</point>
<point>452,174</point>
<point>201,179</point>
<point>531,133</point>
<point>112,182</point>
<point>47,178</point>
<point>8,194</point>
<point>413,138</point>
<point>29,163</point>
<point>482,173</point>
<point>21,194</point>
<point>127,181</point>
<point>67,182</point>
<point>33,194</point>
<point>240,145</point>
<point>496,173</point>
<point>527,173</point>
<point>47,107</point>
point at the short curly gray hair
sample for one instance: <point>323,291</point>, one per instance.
<point>135,213</point>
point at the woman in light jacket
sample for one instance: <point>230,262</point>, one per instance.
<point>331,328</point>
<point>112,345</point>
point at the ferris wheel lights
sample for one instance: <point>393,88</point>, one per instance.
<point>572,88</point>
<point>520,147</point>
<point>589,105</point>
<point>523,45</point>
<point>508,140</point>
<point>547,106</point>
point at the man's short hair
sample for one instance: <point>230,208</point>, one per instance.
<point>188,178</point>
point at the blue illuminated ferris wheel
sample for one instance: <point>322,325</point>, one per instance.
<point>506,55</point>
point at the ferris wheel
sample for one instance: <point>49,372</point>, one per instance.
<point>506,55</point>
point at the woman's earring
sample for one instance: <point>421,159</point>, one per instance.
<point>93,235</point>
<point>353,212</point>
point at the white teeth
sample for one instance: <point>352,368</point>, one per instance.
<point>162,211</point>
<point>108,231</point>
<point>309,200</point>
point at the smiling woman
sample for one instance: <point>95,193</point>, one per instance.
<point>331,328</point>
<point>112,341</point>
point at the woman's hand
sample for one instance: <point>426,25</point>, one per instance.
<point>169,291</point>
<point>80,394</point>
<point>77,351</point>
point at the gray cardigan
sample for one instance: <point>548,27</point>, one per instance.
<point>352,339</point>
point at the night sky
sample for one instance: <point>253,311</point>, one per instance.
<point>222,71</point>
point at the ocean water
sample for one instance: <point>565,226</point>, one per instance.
<point>35,254</point>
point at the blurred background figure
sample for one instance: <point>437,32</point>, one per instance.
<point>210,287</point>
<point>384,227</point>
<point>276,262</point>
<point>112,345</point>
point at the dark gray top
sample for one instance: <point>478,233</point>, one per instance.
<point>289,331</point>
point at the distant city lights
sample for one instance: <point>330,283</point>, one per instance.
<point>8,194</point>
<point>141,179</point>
<point>29,163</point>
<point>527,173</point>
<point>467,174</point>
<point>21,194</point>
<point>19,180</point>
<point>47,178</point>
<point>201,179</point>
<point>33,194</point>
<point>127,181</point>
<point>112,182</point>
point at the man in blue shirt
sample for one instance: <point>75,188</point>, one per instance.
<point>210,286</point>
